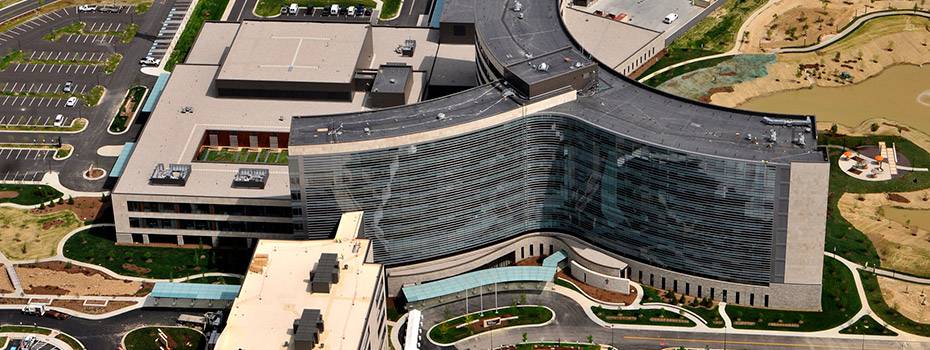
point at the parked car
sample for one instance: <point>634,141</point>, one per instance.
<point>368,12</point>
<point>292,10</point>
<point>149,61</point>
<point>334,10</point>
<point>670,18</point>
<point>87,8</point>
<point>57,315</point>
<point>59,120</point>
<point>68,86</point>
<point>110,9</point>
<point>71,102</point>
<point>34,309</point>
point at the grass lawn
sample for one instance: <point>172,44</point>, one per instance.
<point>93,98</point>
<point>24,329</point>
<point>651,295</point>
<point>205,10</point>
<point>97,246</point>
<point>128,109</point>
<point>390,8</point>
<point>9,58</point>
<point>868,326</point>
<point>644,317</point>
<point>25,236</point>
<point>839,302</point>
<point>70,341</point>
<point>887,313</point>
<point>179,338</point>
<point>243,156</point>
<point>711,315</point>
<point>674,72</point>
<point>842,237</point>
<point>712,35</point>
<point>143,8</point>
<point>112,62</point>
<point>76,124</point>
<point>446,332</point>
<point>64,151</point>
<point>29,194</point>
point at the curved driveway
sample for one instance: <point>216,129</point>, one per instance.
<point>571,324</point>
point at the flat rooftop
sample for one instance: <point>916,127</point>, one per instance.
<point>598,36</point>
<point>173,137</point>
<point>275,292</point>
<point>294,52</point>
<point>648,14</point>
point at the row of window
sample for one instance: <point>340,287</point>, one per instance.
<point>700,291</point>
<point>212,209</point>
<point>211,225</point>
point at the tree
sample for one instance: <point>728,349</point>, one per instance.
<point>70,200</point>
<point>834,128</point>
<point>890,46</point>
<point>41,205</point>
<point>873,127</point>
<point>590,339</point>
<point>524,337</point>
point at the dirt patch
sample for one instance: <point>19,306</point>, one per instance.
<point>6,286</point>
<point>710,93</point>
<point>894,197</point>
<point>900,247</point>
<point>13,301</point>
<point>910,299</point>
<point>69,279</point>
<point>78,305</point>
<point>86,208</point>
<point>601,294</point>
<point>8,194</point>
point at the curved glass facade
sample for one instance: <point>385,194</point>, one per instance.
<point>700,215</point>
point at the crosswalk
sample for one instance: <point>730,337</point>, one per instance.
<point>169,28</point>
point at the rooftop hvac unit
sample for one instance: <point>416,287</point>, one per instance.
<point>408,48</point>
<point>172,175</point>
<point>325,274</point>
<point>307,329</point>
<point>251,178</point>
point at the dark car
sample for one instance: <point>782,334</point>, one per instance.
<point>368,12</point>
<point>57,315</point>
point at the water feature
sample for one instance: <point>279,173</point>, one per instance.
<point>900,93</point>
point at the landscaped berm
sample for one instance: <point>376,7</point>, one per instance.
<point>451,331</point>
<point>178,338</point>
<point>98,246</point>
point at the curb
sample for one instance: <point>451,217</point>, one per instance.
<point>52,129</point>
<point>552,319</point>
<point>71,153</point>
<point>88,178</point>
<point>135,112</point>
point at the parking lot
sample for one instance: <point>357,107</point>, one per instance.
<point>33,93</point>
<point>170,26</point>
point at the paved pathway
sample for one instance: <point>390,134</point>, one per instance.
<point>49,339</point>
<point>739,38</point>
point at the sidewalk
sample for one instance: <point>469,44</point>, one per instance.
<point>50,339</point>
<point>50,179</point>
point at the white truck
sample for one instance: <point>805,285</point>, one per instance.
<point>192,321</point>
<point>34,309</point>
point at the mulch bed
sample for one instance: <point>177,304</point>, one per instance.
<point>86,208</point>
<point>78,305</point>
<point>600,294</point>
<point>76,269</point>
<point>894,197</point>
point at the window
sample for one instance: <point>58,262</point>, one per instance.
<point>675,286</point>
<point>766,301</point>
<point>522,252</point>
<point>752,299</point>
<point>712,292</point>
<point>531,250</point>
<point>640,277</point>
<point>652,280</point>
<point>737,298</point>
<point>458,30</point>
<point>541,251</point>
<point>724,295</point>
<point>700,294</point>
<point>687,288</point>
<point>663,282</point>
<point>550,250</point>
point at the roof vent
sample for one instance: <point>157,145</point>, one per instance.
<point>441,116</point>
<point>325,274</point>
<point>517,6</point>
<point>172,175</point>
<point>542,67</point>
<point>251,178</point>
<point>187,109</point>
<point>307,329</point>
<point>773,136</point>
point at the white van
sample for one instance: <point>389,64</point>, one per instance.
<point>292,10</point>
<point>334,10</point>
<point>670,18</point>
<point>351,11</point>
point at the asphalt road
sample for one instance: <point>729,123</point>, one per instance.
<point>51,77</point>
<point>97,335</point>
<point>571,324</point>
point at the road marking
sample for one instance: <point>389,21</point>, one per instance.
<point>735,342</point>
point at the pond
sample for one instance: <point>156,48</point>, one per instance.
<point>900,93</point>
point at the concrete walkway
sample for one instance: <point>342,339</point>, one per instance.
<point>739,38</point>
<point>849,29</point>
<point>51,179</point>
<point>59,256</point>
